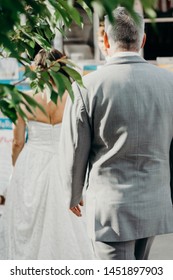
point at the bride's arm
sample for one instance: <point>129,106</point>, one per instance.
<point>18,139</point>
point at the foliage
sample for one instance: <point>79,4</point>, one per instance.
<point>27,25</point>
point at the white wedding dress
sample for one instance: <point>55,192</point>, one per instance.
<point>37,221</point>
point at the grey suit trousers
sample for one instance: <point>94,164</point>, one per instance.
<point>128,250</point>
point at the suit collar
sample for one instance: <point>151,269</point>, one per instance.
<point>122,54</point>
<point>126,59</point>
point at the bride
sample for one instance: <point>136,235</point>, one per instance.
<point>37,221</point>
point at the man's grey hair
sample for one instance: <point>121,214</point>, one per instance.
<point>126,32</point>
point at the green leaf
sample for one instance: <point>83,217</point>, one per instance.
<point>32,44</point>
<point>29,73</point>
<point>45,76</point>
<point>59,82</point>
<point>32,102</point>
<point>16,98</point>
<point>34,85</point>
<point>86,8</point>
<point>48,33</point>
<point>30,51</point>
<point>28,108</point>
<point>67,84</point>
<point>7,111</point>
<point>55,67</point>
<point>68,62</point>
<point>151,13</point>
<point>54,96</point>
<point>23,60</point>
<point>74,74</point>
<point>60,11</point>
<point>21,113</point>
<point>9,45</point>
<point>41,41</point>
<point>72,12</point>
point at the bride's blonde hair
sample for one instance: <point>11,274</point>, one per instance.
<point>43,56</point>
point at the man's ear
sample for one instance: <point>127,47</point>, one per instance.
<point>143,41</point>
<point>106,41</point>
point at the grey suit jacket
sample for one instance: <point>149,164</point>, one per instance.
<point>119,128</point>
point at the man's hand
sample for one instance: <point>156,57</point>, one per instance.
<point>76,209</point>
<point>2,200</point>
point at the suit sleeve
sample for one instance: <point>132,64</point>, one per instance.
<point>75,145</point>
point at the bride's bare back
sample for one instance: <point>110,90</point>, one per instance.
<point>54,112</point>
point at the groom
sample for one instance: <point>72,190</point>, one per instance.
<point>116,136</point>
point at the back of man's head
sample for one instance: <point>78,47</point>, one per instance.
<point>126,32</point>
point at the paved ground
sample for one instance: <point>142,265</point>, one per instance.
<point>162,248</point>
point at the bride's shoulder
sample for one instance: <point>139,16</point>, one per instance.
<point>28,92</point>
<point>40,96</point>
